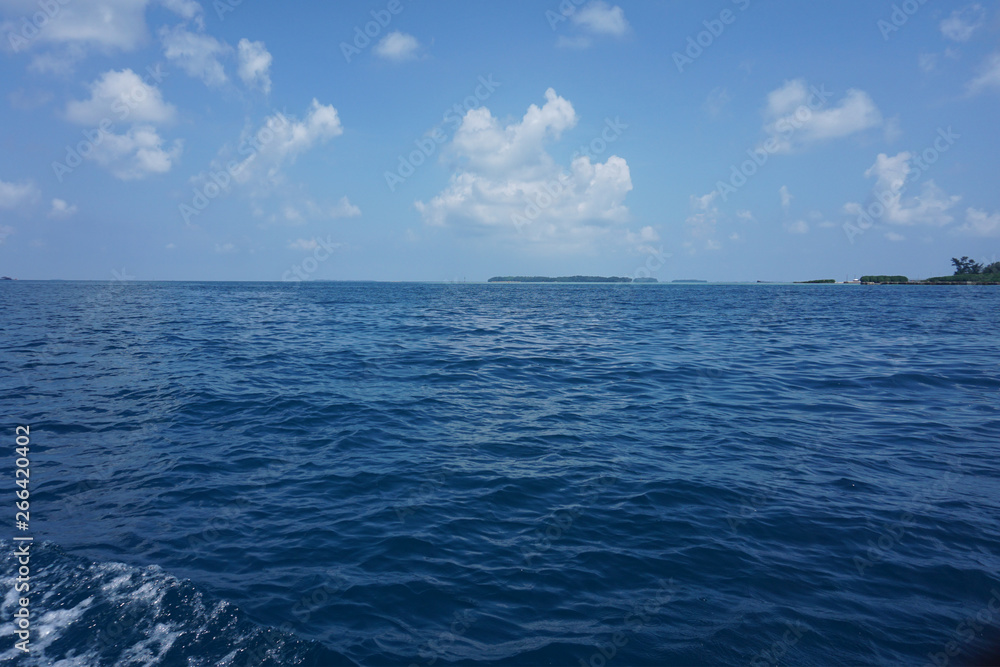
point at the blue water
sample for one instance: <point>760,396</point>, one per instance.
<point>411,474</point>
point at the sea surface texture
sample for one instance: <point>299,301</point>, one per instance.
<point>421,474</point>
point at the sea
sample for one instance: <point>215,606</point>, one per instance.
<point>338,473</point>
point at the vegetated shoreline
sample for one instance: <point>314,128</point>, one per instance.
<point>961,279</point>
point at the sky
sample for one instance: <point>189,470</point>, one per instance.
<point>733,140</point>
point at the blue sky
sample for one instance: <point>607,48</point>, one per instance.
<point>730,140</point>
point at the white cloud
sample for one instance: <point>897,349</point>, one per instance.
<point>120,96</point>
<point>186,9</point>
<point>195,53</point>
<point>928,62</point>
<point>105,25</point>
<point>786,197</point>
<point>980,223</point>
<point>397,46</point>
<point>136,154</point>
<point>505,183</point>
<point>483,145</point>
<point>255,65</point>
<point>13,195</point>
<point>280,140</point>
<point>60,209</point>
<point>599,18</point>
<point>798,227</point>
<point>225,248</point>
<point>745,216</point>
<point>642,240</point>
<point>344,209</point>
<point>5,231</point>
<point>796,117</point>
<point>894,237</point>
<point>930,207</point>
<point>963,22</point>
<point>989,75</point>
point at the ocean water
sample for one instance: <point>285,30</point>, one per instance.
<point>419,474</point>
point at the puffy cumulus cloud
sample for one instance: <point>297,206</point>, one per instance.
<point>125,97</point>
<point>196,53</point>
<point>798,116</point>
<point>397,46</point>
<point>14,195</point>
<point>121,96</point>
<point>481,144</point>
<point>894,237</point>
<point>506,185</point>
<point>599,18</point>
<point>930,207</point>
<point>962,23</point>
<point>60,209</point>
<point>137,153</point>
<point>277,143</point>
<point>980,223</point>
<point>254,65</point>
<point>988,77</point>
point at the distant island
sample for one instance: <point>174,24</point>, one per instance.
<point>967,272</point>
<point>563,279</point>
<point>689,281</point>
<point>825,281</point>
